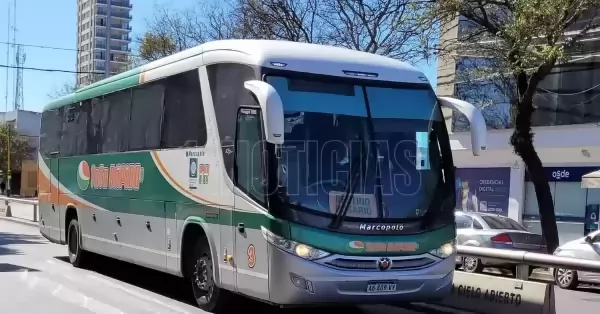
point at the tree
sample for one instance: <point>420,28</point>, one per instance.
<point>392,28</point>
<point>65,89</point>
<point>526,39</point>
<point>156,46</point>
<point>19,148</point>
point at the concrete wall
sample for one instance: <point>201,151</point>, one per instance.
<point>29,170</point>
<point>447,68</point>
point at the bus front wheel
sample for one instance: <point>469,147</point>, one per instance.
<point>208,295</point>
<point>77,255</point>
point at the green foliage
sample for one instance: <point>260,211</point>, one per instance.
<point>19,148</point>
<point>156,46</point>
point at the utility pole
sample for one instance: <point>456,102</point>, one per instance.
<point>5,175</point>
<point>7,58</point>
<point>9,127</point>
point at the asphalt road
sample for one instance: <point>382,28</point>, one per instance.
<point>35,277</point>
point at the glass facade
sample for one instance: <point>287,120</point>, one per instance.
<point>571,202</point>
<point>569,95</point>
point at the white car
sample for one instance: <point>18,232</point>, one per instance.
<point>586,248</point>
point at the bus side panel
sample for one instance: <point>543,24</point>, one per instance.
<point>44,196</point>
<point>250,250</point>
<point>171,236</point>
<point>142,234</point>
<point>52,215</point>
<point>97,228</point>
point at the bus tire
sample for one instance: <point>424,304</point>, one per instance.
<point>77,256</point>
<point>208,295</point>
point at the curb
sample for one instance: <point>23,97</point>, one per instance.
<point>20,221</point>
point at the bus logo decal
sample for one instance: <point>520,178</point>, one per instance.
<point>83,175</point>
<point>355,247</point>
<point>121,176</point>
<point>384,263</point>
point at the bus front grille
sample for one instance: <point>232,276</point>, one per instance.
<point>371,264</point>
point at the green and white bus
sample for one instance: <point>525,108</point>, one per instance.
<point>292,173</point>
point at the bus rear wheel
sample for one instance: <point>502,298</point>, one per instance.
<point>77,256</point>
<point>208,295</point>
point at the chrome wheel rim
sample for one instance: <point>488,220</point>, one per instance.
<point>203,283</point>
<point>564,276</point>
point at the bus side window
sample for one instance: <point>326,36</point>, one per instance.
<point>248,171</point>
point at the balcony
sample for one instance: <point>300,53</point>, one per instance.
<point>123,49</point>
<point>120,27</point>
<point>125,38</point>
<point>121,4</point>
<point>121,15</point>
<point>119,58</point>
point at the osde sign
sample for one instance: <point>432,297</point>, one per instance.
<point>560,174</point>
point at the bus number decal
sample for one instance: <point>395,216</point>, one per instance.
<point>251,256</point>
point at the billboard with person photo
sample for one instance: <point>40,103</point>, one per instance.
<point>484,190</point>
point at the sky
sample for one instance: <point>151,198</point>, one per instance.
<point>54,24</point>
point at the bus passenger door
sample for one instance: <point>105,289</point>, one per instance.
<point>250,195</point>
<point>52,215</point>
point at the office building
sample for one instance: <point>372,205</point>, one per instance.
<point>567,137</point>
<point>103,38</point>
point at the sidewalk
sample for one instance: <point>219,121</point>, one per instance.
<point>20,221</point>
<point>21,212</point>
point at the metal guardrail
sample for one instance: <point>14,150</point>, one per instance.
<point>7,205</point>
<point>525,259</point>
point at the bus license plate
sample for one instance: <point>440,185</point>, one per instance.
<point>381,287</point>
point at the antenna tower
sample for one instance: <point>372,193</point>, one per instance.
<point>20,62</point>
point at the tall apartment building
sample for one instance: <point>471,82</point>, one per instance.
<point>567,137</point>
<point>103,38</point>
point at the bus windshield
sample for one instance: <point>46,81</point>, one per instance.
<point>388,133</point>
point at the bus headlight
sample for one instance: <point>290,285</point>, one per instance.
<point>445,250</point>
<point>299,249</point>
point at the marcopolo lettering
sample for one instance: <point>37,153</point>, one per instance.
<point>381,227</point>
<point>490,295</point>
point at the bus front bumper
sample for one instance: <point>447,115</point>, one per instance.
<point>296,281</point>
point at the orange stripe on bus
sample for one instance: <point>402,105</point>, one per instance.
<point>53,195</point>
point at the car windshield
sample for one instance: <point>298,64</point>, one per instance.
<point>502,223</point>
<point>389,133</point>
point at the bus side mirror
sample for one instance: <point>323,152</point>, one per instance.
<point>476,121</point>
<point>272,108</point>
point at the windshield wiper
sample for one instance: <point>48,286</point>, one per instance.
<point>344,205</point>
